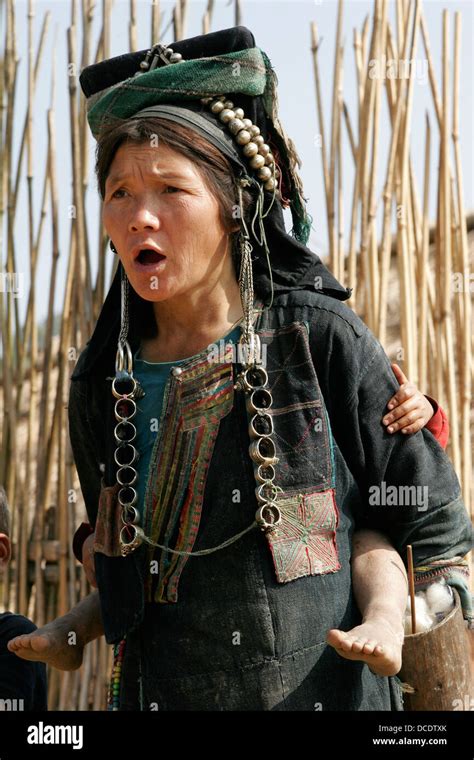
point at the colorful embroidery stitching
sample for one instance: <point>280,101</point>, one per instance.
<point>305,541</point>
<point>195,404</point>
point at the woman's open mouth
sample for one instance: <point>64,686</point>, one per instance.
<point>149,259</point>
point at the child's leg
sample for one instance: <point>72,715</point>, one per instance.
<point>381,589</point>
<point>61,642</point>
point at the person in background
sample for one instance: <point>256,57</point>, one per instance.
<point>22,683</point>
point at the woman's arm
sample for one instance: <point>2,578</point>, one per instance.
<point>409,489</point>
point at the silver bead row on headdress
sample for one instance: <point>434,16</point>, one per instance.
<point>246,134</point>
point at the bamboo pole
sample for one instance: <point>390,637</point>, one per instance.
<point>50,175</point>
<point>335,130</point>
<point>423,316</point>
<point>9,475</point>
<point>371,231</point>
<point>132,27</point>
<point>155,22</point>
<point>466,367</point>
<point>319,104</point>
<point>207,18</point>
<point>388,196</point>
<point>447,255</point>
<point>408,299</point>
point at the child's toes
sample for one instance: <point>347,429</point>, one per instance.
<point>19,642</point>
<point>358,645</point>
<point>369,646</point>
<point>345,644</point>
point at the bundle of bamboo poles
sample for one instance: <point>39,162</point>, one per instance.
<point>36,464</point>
<point>434,345</point>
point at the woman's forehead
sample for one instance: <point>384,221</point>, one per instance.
<point>160,160</point>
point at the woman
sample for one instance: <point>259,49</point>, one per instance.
<point>223,558</point>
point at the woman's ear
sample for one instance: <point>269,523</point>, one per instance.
<point>5,550</point>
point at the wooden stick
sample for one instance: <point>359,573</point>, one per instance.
<point>335,129</point>
<point>464,340</point>
<point>319,104</point>
<point>411,586</point>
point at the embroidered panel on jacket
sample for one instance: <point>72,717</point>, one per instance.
<point>194,403</point>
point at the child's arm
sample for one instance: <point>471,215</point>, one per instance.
<point>410,410</point>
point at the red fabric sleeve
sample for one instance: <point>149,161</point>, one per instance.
<point>438,424</point>
<point>84,530</point>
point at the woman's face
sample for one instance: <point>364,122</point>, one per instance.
<point>155,196</point>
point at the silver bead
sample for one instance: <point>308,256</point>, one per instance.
<point>228,104</point>
<point>264,173</point>
<point>270,184</point>
<point>235,125</point>
<point>206,100</point>
<point>144,65</point>
<point>239,113</point>
<point>226,115</point>
<point>176,371</point>
<point>217,106</point>
<point>250,150</point>
<point>176,57</point>
<point>168,52</point>
<point>264,149</point>
<point>243,137</point>
<point>257,162</point>
<point>247,122</point>
<point>254,130</point>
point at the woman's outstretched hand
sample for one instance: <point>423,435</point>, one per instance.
<point>88,559</point>
<point>409,409</point>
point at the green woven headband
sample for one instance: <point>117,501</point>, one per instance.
<point>243,72</point>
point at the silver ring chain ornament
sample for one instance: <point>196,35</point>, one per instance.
<point>253,380</point>
<point>126,390</point>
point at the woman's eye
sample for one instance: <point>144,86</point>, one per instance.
<point>169,189</point>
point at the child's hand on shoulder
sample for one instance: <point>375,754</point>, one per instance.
<point>409,409</point>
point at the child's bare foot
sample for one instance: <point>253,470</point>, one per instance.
<point>374,642</point>
<point>55,643</point>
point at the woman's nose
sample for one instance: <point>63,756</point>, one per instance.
<point>144,216</point>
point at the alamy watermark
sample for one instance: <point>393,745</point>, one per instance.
<point>240,353</point>
<point>403,68</point>
<point>12,282</point>
<point>399,496</point>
